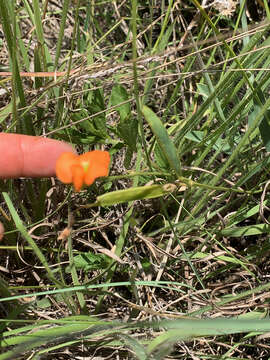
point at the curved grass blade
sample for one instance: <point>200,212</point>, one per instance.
<point>181,330</point>
<point>22,229</point>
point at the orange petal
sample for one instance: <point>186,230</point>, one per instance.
<point>63,166</point>
<point>77,176</point>
<point>99,162</point>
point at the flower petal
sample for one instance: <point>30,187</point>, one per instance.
<point>77,176</point>
<point>63,166</point>
<point>99,162</point>
<point>82,169</point>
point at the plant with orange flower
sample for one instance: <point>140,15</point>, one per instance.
<point>82,169</point>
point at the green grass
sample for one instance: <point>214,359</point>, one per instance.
<point>169,255</point>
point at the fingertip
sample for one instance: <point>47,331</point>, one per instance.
<point>29,156</point>
<point>40,156</point>
<point>2,230</point>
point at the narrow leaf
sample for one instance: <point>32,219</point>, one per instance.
<point>163,139</point>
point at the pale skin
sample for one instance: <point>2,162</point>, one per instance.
<point>29,156</point>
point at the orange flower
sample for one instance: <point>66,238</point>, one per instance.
<point>82,169</point>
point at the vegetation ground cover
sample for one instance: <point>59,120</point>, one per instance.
<point>168,256</point>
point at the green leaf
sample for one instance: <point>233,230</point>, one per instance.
<point>96,125</point>
<point>44,303</point>
<point>128,158</point>
<point>93,126</point>
<point>128,130</point>
<point>89,261</point>
<point>163,139</point>
<point>128,125</point>
<point>161,159</point>
<point>249,230</point>
<point>119,95</point>
<point>203,89</point>
<point>134,345</point>
<point>198,136</point>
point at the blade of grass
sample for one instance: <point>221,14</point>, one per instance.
<point>180,330</point>
<point>134,11</point>
<point>27,237</point>
<point>46,59</point>
<point>8,18</point>
<point>161,284</point>
<point>65,9</point>
<point>242,142</point>
<point>74,275</point>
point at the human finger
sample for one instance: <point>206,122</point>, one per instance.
<point>29,156</point>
